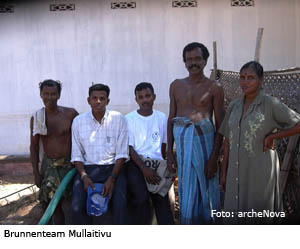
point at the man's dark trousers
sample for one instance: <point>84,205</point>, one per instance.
<point>139,199</point>
<point>99,174</point>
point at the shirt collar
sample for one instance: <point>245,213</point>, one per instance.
<point>102,120</point>
<point>258,99</point>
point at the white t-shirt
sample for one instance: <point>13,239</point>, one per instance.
<point>146,134</point>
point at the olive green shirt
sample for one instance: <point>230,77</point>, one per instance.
<point>252,182</point>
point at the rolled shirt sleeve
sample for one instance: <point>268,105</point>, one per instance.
<point>122,149</point>
<point>164,139</point>
<point>130,131</point>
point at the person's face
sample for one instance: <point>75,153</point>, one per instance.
<point>194,61</point>
<point>50,96</point>
<point>98,101</point>
<point>145,99</point>
<point>250,82</point>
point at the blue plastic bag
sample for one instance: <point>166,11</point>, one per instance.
<point>97,204</point>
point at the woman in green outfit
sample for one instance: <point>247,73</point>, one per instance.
<point>250,169</point>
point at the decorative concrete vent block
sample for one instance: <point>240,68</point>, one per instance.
<point>7,9</point>
<point>243,3</point>
<point>62,7</point>
<point>123,5</point>
<point>184,4</point>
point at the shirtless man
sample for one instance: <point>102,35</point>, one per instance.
<point>51,138</point>
<point>193,100</point>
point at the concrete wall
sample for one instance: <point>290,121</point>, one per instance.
<point>124,47</point>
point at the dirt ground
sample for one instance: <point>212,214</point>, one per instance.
<point>20,208</point>
<point>24,209</point>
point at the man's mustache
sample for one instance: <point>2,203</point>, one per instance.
<point>194,65</point>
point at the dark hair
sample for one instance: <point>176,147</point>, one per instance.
<point>257,67</point>
<point>99,87</point>
<point>194,45</point>
<point>50,83</point>
<point>143,85</point>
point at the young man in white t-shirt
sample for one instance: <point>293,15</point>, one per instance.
<point>147,129</point>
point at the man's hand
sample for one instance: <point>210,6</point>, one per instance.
<point>151,176</point>
<point>108,187</point>
<point>87,182</point>
<point>171,162</point>
<point>211,167</point>
<point>269,143</point>
<point>37,179</point>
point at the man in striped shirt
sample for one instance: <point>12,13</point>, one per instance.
<point>99,149</point>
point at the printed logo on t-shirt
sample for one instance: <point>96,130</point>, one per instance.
<point>155,136</point>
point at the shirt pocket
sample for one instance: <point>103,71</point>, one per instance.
<point>111,143</point>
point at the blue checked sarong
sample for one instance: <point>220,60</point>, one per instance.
<point>197,195</point>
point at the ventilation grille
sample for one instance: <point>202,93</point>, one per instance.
<point>123,5</point>
<point>243,3</point>
<point>62,7</point>
<point>7,9</point>
<point>184,4</point>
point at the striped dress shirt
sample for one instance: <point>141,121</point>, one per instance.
<point>99,143</point>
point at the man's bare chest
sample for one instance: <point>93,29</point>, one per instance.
<point>194,96</point>
<point>58,126</point>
